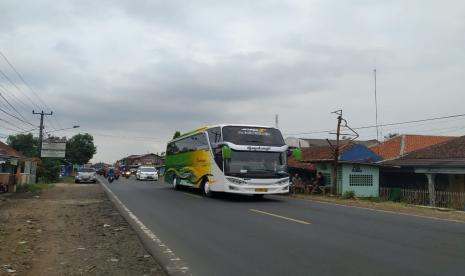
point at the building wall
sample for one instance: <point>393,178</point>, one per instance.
<point>362,179</point>
<point>296,142</point>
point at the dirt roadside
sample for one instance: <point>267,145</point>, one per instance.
<point>389,206</point>
<point>71,229</point>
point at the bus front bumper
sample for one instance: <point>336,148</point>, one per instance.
<point>252,190</point>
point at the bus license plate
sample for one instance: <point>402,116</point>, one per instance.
<point>261,190</point>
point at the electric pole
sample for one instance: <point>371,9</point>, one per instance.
<point>336,152</point>
<point>41,127</point>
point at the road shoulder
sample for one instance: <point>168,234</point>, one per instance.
<point>71,229</point>
<point>388,206</point>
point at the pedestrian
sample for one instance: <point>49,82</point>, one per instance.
<point>296,179</point>
<point>319,181</point>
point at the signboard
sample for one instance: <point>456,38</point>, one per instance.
<point>54,147</point>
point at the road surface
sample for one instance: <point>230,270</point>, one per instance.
<point>239,235</point>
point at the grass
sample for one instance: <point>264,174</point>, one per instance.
<point>34,188</point>
<point>348,195</point>
<point>373,199</point>
<point>67,180</point>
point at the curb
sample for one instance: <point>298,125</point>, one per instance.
<point>169,262</point>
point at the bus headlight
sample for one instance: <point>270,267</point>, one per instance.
<point>236,181</point>
<point>283,181</point>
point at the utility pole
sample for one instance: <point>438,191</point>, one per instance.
<point>276,120</point>
<point>336,152</point>
<point>41,128</point>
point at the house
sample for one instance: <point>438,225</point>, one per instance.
<point>150,159</point>
<point>439,167</point>
<point>294,142</point>
<point>403,144</point>
<point>15,169</point>
<point>357,168</point>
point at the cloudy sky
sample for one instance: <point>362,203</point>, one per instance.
<point>133,72</point>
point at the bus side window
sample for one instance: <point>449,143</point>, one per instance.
<point>214,134</point>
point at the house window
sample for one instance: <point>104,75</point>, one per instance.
<point>361,180</point>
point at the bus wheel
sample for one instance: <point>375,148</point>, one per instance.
<point>175,183</point>
<point>206,189</point>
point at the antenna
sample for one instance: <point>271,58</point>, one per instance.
<point>376,107</point>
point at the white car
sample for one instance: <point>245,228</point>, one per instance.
<point>146,173</point>
<point>86,175</point>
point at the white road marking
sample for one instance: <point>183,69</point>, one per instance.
<point>192,195</point>
<point>151,235</point>
<point>279,216</point>
<point>379,210</point>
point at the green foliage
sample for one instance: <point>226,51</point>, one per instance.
<point>80,148</point>
<point>33,188</point>
<point>99,165</point>
<point>26,144</point>
<point>348,195</point>
<point>51,169</point>
<point>176,134</point>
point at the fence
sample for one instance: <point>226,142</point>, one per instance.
<point>454,200</point>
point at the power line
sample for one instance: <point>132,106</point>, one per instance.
<point>17,87</point>
<point>11,124</point>
<point>15,98</point>
<point>125,137</point>
<point>26,83</point>
<point>23,120</point>
<point>384,125</point>
<point>14,116</point>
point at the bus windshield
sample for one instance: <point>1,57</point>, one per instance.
<point>256,164</point>
<point>255,136</point>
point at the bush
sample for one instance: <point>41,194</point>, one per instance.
<point>51,170</point>
<point>348,195</point>
<point>33,188</point>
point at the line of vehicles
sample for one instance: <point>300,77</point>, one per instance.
<point>89,174</point>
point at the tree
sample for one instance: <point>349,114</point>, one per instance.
<point>80,148</point>
<point>26,144</point>
<point>390,135</point>
<point>176,134</point>
<point>51,170</point>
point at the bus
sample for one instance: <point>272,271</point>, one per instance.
<point>240,159</point>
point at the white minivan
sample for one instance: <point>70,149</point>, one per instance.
<point>146,173</point>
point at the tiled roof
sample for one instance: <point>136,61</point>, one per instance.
<point>404,144</point>
<point>9,151</point>
<point>315,154</point>
<point>452,149</point>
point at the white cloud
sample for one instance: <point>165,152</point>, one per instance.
<point>148,68</point>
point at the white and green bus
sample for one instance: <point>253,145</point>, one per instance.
<point>242,159</point>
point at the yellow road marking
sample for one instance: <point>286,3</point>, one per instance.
<point>278,216</point>
<point>196,196</point>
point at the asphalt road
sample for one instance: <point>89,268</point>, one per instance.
<point>238,235</point>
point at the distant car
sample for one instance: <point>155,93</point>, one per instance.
<point>86,175</point>
<point>146,173</point>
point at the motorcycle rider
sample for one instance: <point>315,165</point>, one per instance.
<point>111,173</point>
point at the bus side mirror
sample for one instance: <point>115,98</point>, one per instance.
<point>226,152</point>
<point>297,154</point>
